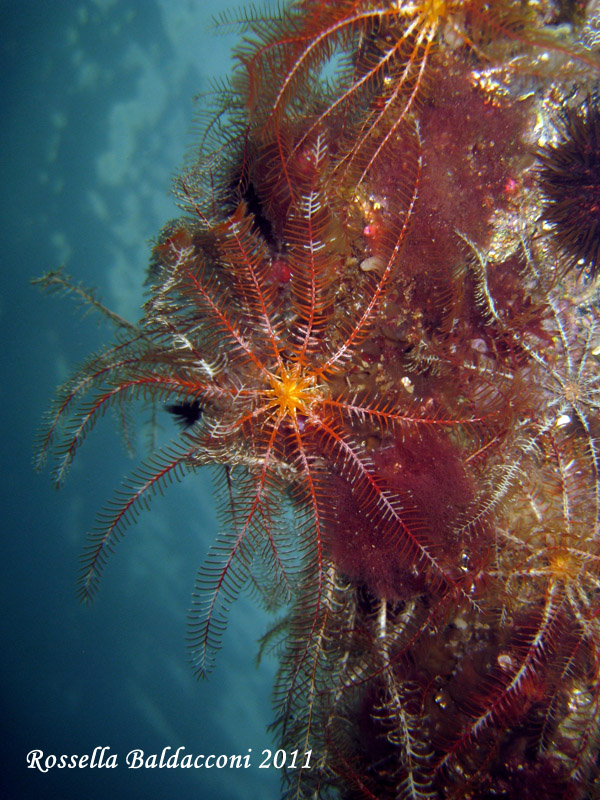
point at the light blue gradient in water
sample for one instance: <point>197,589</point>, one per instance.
<point>97,114</point>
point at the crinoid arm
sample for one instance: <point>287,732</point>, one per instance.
<point>58,282</point>
<point>253,548</point>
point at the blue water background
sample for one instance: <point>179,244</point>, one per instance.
<point>97,115</point>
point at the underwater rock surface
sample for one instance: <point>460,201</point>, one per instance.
<point>377,320</point>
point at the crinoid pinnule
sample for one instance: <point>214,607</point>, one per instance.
<point>569,180</point>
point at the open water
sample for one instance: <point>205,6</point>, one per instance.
<point>97,112</point>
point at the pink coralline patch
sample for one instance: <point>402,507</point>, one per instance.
<point>280,270</point>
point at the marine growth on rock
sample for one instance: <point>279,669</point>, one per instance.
<point>377,319</point>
